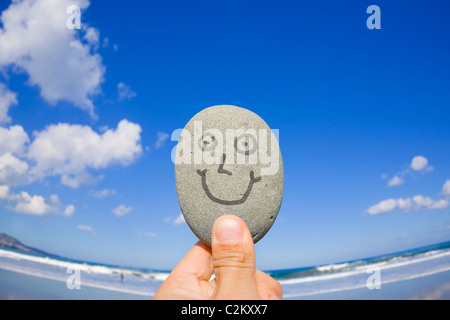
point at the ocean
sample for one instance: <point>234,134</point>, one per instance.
<point>371,274</point>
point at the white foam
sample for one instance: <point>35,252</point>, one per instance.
<point>87,284</point>
<point>54,262</point>
<point>415,276</point>
<point>90,269</point>
<point>363,269</point>
<point>332,267</point>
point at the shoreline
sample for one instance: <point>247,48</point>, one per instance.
<point>94,286</point>
<point>21,286</point>
<point>435,286</point>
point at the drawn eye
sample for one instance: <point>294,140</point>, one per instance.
<point>208,142</point>
<point>245,144</point>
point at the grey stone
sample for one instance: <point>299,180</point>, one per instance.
<point>228,161</point>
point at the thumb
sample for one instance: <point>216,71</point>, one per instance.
<point>233,258</point>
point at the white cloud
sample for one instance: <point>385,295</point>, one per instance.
<point>383,207</point>
<point>70,209</point>
<point>446,188</point>
<point>13,171</point>
<point>34,39</point>
<point>100,194</point>
<point>13,140</point>
<point>31,204</point>
<point>395,181</point>
<point>66,150</point>
<point>177,221</point>
<point>69,150</point>
<point>105,42</point>
<point>92,36</point>
<point>417,202</point>
<point>75,181</point>
<point>13,143</point>
<point>421,201</point>
<point>162,137</point>
<point>4,192</point>
<point>419,163</point>
<point>7,99</point>
<point>23,202</point>
<point>86,228</point>
<point>125,92</point>
<point>440,204</point>
<point>122,210</point>
<point>404,204</point>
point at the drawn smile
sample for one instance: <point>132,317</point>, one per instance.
<point>252,181</point>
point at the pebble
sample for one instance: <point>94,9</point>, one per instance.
<point>228,161</point>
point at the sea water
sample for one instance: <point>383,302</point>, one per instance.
<point>296,283</point>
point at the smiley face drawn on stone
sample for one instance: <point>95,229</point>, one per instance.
<point>211,180</point>
<point>202,173</point>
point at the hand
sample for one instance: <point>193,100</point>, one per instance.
<point>232,258</point>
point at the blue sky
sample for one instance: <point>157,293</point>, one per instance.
<point>82,173</point>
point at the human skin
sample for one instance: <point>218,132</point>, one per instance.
<point>231,258</point>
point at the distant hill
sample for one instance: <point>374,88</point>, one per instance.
<point>10,242</point>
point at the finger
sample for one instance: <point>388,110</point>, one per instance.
<point>233,259</point>
<point>196,262</point>
<point>268,287</point>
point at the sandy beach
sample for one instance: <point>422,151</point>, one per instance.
<point>17,286</point>
<point>433,287</point>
